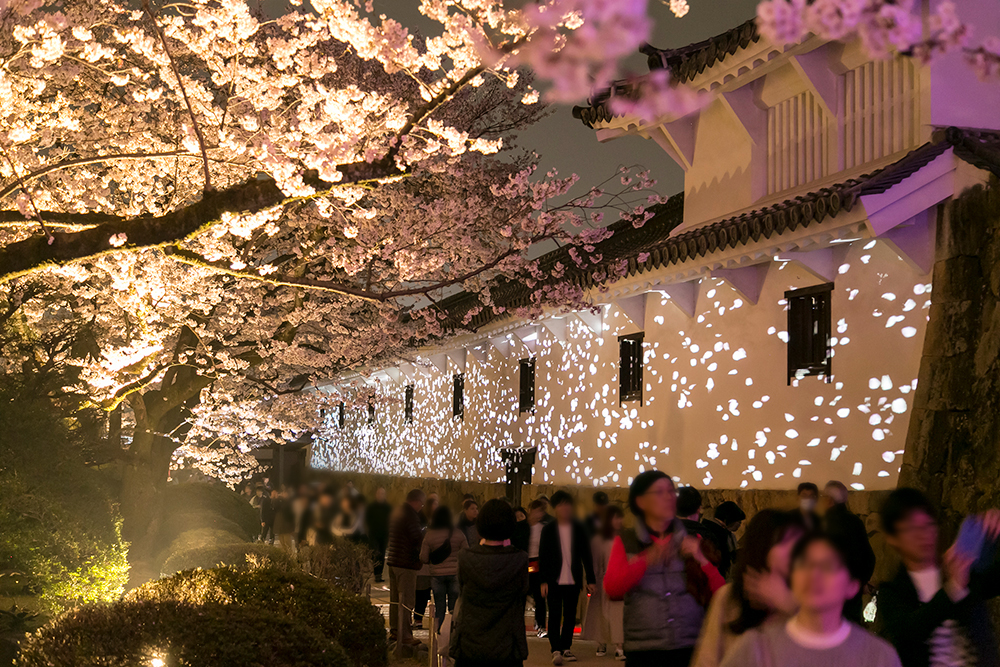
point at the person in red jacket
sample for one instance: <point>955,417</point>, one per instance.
<point>663,576</point>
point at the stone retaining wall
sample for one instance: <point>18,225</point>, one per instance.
<point>865,504</point>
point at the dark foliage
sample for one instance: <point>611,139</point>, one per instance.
<point>349,619</point>
<point>181,634</point>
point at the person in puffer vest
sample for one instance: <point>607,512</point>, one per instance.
<point>662,575</point>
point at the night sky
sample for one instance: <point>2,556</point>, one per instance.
<point>564,142</point>
<point>567,144</point>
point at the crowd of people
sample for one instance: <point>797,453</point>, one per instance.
<point>676,588</point>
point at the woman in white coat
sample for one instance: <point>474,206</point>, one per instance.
<point>604,621</point>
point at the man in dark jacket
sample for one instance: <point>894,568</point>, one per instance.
<point>843,525</point>
<point>564,557</point>
<point>934,612</point>
<point>489,621</point>
<point>268,510</point>
<point>403,558</point>
<point>377,519</point>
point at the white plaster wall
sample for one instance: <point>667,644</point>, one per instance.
<point>720,179</point>
<point>717,411</point>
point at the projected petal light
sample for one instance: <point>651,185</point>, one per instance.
<point>717,411</point>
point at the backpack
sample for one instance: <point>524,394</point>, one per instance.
<point>441,554</point>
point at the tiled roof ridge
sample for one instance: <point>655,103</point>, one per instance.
<point>981,149</point>
<point>688,61</point>
<point>684,63</point>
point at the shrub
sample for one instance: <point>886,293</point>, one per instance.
<point>129,634</point>
<point>191,505</point>
<point>349,619</point>
<point>344,564</point>
<point>209,552</point>
<point>60,527</point>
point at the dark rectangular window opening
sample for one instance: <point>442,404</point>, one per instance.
<point>526,400</point>
<point>630,367</point>
<point>408,405</point>
<point>371,412</point>
<point>809,329</point>
<point>458,396</point>
<point>341,417</point>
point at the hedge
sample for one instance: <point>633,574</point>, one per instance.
<point>128,634</point>
<point>215,554</point>
<point>349,619</point>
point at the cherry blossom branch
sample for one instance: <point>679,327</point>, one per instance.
<point>22,257</point>
<point>187,102</point>
<point>95,159</point>
<point>31,199</point>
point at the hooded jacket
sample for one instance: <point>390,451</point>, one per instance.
<point>489,618</point>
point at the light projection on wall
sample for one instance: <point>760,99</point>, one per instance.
<point>716,410</point>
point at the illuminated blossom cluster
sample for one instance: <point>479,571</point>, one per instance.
<point>883,27</point>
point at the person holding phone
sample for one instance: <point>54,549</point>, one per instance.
<point>934,610</point>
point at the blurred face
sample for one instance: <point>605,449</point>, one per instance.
<point>259,492</point>
<point>807,500</point>
<point>471,512</point>
<point>564,512</point>
<point>735,526</point>
<point>916,538</point>
<point>820,580</point>
<point>535,515</point>
<point>779,558</point>
<point>274,493</point>
<point>345,505</point>
<point>616,523</point>
<point>520,516</point>
<point>659,503</point>
<point>380,495</point>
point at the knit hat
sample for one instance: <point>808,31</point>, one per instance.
<point>640,485</point>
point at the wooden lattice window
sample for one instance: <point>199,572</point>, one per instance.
<point>408,405</point>
<point>630,367</point>
<point>458,396</point>
<point>809,328</point>
<point>526,396</point>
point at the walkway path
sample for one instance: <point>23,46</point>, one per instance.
<point>538,649</point>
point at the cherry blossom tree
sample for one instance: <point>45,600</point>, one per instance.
<point>218,211</point>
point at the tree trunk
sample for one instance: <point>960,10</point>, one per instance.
<point>953,440</point>
<point>143,482</point>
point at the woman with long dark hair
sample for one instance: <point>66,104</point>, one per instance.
<point>603,622</point>
<point>663,576</point>
<point>759,591</point>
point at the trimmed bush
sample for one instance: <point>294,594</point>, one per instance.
<point>348,619</point>
<point>344,564</point>
<point>215,549</point>
<point>192,505</point>
<point>130,634</point>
